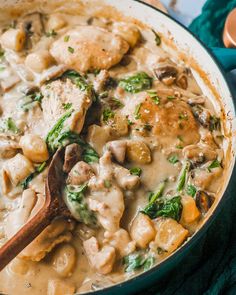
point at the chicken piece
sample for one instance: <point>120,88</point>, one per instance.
<point>124,179</point>
<point>72,156</point>
<point>59,287</point>
<point>17,169</point>
<point>128,32</point>
<point>56,22</point>
<point>89,48</point>
<point>8,146</point>
<point>104,193</point>
<point>173,122</point>
<point>102,260</point>
<point>52,72</point>
<point>118,149</point>
<point>80,173</point>
<point>60,93</point>
<point>121,241</point>
<point>190,212</point>
<point>142,230</point>
<point>170,234</point>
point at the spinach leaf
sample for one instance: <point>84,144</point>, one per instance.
<point>136,83</point>
<point>135,171</point>
<point>191,190</point>
<point>137,261</point>
<point>28,179</point>
<point>183,177</point>
<point>153,205</point>
<point>60,136</point>
<point>75,200</point>
<point>133,262</point>
<point>171,208</point>
<point>149,263</point>
<point>214,164</point>
<point>8,125</point>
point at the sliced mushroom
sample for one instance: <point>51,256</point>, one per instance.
<point>166,73</point>
<point>72,156</point>
<point>80,173</point>
<point>196,100</point>
<point>33,26</point>
<point>202,115</point>
<point>204,201</point>
<point>118,149</point>
<point>199,154</point>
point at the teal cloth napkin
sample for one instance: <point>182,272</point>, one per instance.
<point>210,268</point>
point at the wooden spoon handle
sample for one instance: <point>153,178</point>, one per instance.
<point>25,236</point>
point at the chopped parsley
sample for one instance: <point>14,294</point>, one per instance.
<point>67,106</point>
<point>157,38</point>
<point>137,115</point>
<point>107,183</point>
<point>117,102</point>
<point>214,164</point>
<point>107,115</point>
<point>136,83</point>
<point>71,49</point>
<point>147,127</point>
<point>183,116</point>
<point>153,95</point>
<point>173,159</point>
<point>51,33</point>
<point>2,53</point>
<point>66,38</point>
<point>214,123</point>
<point>31,100</point>
<point>170,97</point>
<point>135,171</point>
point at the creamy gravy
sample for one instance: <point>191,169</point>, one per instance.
<point>148,170</point>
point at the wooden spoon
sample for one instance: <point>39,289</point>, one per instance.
<point>53,207</point>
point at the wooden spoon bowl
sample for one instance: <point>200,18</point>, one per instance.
<point>54,206</point>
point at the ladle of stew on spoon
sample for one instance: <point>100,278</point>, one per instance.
<point>54,206</point>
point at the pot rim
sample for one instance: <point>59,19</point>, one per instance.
<point>216,210</point>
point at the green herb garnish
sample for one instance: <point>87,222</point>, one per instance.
<point>170,97</point>
<point>136,83</point>
<point>117,102</point>
<point>157,38</point>
<point>214,164</point>
<point>137,115</point>
<point>51,33</point>
<point>107,183</point>
<point>191,190</point>
<point>71,49</point>
<point>67,106</point>
<point>66,38</point>
<point>214,123</point>
<point>38,170</point>
<point>107,115</point>
<point>183,176</point>
<point>153,95</point>
<point>173,159</point>
<point>135,171</point>
<point>76,202</point>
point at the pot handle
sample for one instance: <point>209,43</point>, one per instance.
<point>226,57</point>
